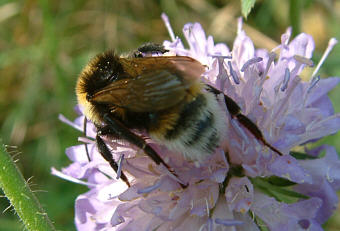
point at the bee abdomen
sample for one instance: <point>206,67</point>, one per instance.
<point>197,131</point>
<point>190,113</point>
<point>201,127</point>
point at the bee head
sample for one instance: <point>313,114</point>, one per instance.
<point>101,71</point>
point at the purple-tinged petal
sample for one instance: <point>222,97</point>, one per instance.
<point>78,171</point>
<point>248,222</point>
<point>228,222</point>
<point>284,217</point>
<point>73,153</point>
<point>67,121</point>
<point>285,38</point>
<point>302,45</point>
<point>203,197</point>
<point>288,167</point>
<point>323,87</point>
<point>326,168</point>
<point>293,125</point>
<point>219,175</point>
<point>117,219</point>
<point>224,216</point>
<point>196,38</point>
<point>239,194</point>
<point>91,213</point>
<point>82,207</point>
<point>324,105</point>
<point>319,129</point>
<point>304,209</point>
<point>192,223</point>
<point>243,50</point>
<point>264,54</point>
<point>220,49</point>
<point>326,193</point>
<point>311,225</point>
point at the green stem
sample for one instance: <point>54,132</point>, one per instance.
<point>295,7</point>
<point>20,195</point>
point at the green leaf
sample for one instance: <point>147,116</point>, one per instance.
<point>279,181</point>
<point>259,222</point>
<point>302,156</point>
<point>246,6</point>
<point>282,194</point>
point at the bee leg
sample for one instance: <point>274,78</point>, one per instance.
<point>235,112</point>
<point>118,129</point>
<point>107,155</point>
<point>148,49</point>
<point>152,48</point>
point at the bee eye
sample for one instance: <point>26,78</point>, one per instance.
<point>89,97</point>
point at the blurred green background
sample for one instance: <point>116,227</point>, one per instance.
<point>45,44</point>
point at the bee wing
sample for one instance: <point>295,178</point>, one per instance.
<point>159,83</point>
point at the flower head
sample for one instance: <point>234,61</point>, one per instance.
<point>238,187</point>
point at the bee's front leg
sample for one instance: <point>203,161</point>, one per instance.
<point>117,129</point>
<point>107,155</point>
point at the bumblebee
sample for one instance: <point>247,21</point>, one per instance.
<point>160,95</point>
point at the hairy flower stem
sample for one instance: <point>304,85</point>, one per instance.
<point>20,195</point>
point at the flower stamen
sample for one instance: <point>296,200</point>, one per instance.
<point>70,178</point>
<point>332,42</point>
<point>328,177</point>
<point>304,60</point>
<point>285,80</point>
<point>166,21</point>
<point>220,56</point>
<point>207,206</point>
<point>271,58</point>
<point>222,74</point>
<point>312,84</point>
<point>150,188</point>
<point>233,73</point>
<point>250,62</point>
<point>239,131</point>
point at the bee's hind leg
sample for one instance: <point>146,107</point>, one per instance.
<point>235,112</point>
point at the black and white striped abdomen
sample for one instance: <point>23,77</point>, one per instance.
<point>198,130</point>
